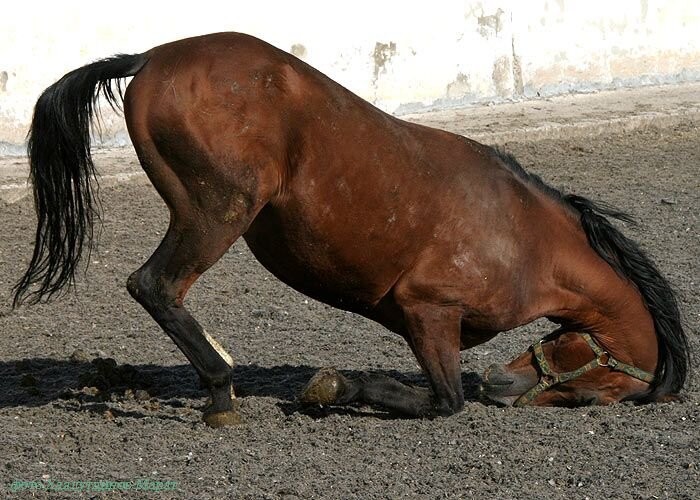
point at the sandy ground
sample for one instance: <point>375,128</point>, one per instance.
<point>66,414</point>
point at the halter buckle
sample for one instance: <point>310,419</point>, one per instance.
<point>604,359</point>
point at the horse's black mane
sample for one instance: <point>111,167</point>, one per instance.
<point>514,166</point>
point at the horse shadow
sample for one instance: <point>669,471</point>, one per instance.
<point>92,385</point>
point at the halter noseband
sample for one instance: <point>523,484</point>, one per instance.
<point>549,378</point>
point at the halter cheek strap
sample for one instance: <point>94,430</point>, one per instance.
<point>549,378</point>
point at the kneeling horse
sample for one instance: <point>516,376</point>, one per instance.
<point>438,238</point>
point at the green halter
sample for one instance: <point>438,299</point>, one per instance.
<point>549,378</point>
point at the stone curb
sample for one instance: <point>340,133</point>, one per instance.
<point>588,128</point>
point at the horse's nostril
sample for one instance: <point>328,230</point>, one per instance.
<point>497,375</point>
<point>499,386</point>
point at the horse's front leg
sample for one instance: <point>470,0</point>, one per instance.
<point>329,387</point>
<point>433,333</point>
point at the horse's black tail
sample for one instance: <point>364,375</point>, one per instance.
<point>63,174</point>
<point>628,260</point>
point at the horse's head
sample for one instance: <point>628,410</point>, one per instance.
<point>564,369</point>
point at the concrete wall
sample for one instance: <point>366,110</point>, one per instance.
<point>402,56</point>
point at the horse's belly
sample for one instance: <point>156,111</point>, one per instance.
<point>316,265</point>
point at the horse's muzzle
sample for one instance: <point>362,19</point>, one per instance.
<point>503,387</point>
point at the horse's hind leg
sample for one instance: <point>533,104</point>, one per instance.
<point>160,286</point>
<point>207,214</point>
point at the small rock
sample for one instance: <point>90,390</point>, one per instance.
<point>104,364</point>
<point>90,391</point>
<point>67,393</point>
<point>153,406</point>
<point>141,395</point>
<point>79,356</point>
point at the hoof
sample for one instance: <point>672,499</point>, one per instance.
<point>324,388</point>
<point>218,419</point>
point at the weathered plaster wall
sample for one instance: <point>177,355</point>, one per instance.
<point>402,56</point>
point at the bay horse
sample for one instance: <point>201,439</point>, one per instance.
<point>438,238</point>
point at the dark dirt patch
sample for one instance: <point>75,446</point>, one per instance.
<point>66,417</point>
